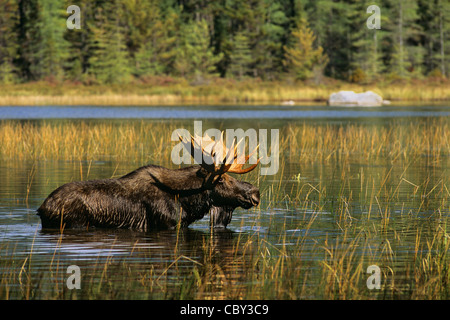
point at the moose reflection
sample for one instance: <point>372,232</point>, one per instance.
<point>154,197</point>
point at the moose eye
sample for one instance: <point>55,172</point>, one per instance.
<point>220,180</point>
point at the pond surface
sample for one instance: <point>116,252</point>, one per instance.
<point>127,264</point>
<point>220,112</point>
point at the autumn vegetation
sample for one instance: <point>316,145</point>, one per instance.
<point>194,51</point>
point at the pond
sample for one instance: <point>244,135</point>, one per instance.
<point>219,112</point>
<point>326,216</point>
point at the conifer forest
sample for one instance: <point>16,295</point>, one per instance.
<point>121,41</point>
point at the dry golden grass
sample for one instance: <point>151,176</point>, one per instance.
<point>218,91</point>
<point>324,142</point>
<point>81,141</point>
<point>304,143</point>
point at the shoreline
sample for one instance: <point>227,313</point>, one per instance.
<point>250,92</point>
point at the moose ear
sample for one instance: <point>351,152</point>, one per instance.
<point>209,179</point>
<point>202,173</point>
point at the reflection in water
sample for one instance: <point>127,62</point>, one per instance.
<point>151,258</point>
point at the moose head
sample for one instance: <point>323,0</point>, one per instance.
<point>227,193</point>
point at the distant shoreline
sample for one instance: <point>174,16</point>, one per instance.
<point>217,92</point>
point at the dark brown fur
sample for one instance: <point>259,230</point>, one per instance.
<point>151,197</point>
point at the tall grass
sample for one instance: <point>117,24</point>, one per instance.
<point>301,143</point>
<point>82,141</point>
<point>380,215</point>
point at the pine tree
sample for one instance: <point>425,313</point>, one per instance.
<point>53,50</point>
<point>8,40</point>
<point>195,57</point>
<point>366,59</point>
<point>435,36</point>
<point>151,40</point>
<point>79,42</point>
<point>407,54</point>
<point>330,22</point>
<point>240,58</point>
<point>300,56</point>
<point>29,38</point>
<point>247,17</point>
<point>443,8</point>
<point>268,51</point>
<point>120,39</point>
<point>109,59</point>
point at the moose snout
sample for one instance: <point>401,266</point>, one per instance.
<point>254,198</point>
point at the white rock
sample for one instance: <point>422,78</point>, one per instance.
<point>350,98</point>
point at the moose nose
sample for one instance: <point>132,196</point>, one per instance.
<point>255,198</point>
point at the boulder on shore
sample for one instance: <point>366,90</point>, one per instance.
<point>350,99</point>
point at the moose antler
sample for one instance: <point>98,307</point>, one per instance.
<point>210,150</point>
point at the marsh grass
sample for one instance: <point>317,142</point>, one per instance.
<point>385,215</point>
<point>178,91</point>
<point>81,141</point>
<point>151,141</point>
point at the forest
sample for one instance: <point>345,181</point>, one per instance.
<point>123,41</point>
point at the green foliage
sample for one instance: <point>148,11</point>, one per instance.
<point>151,40</point>
<point>195,57</point>
<point>301,56</point>
<point>435,21</point>
<point>268,51</point>
<point>366,61</point>
<point>330,21</point>
<point>122,40</point>
<point>109,60</point>
<point>240,58</point>
<point>53,48</point>
<point>28,38</point>
<point>8,40</point>
<point>404,32</point>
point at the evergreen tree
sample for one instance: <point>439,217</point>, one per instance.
<point>167,46</point>
<point>407,54</point>
<point>268,53</point>
<point>240,58</point>
<point>330,21</point>
<point>300,56</point>
<point>195,57</point>
<point>366,60</point>
<point>248,18</point>
<point>436,30</point>
<point>80,41</point>
<point>8,40</point>
<point>29,38</point>
<point>237,38</point>
<point>443,8</point>
<point>151,38</point>
<point>53,49</point>
<point>109,60</point>
<point>143,23</point>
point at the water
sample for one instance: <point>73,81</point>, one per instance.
<point>220,112</point>
<point>133,262</point>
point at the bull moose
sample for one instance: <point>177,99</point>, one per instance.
<point>154,197</point>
